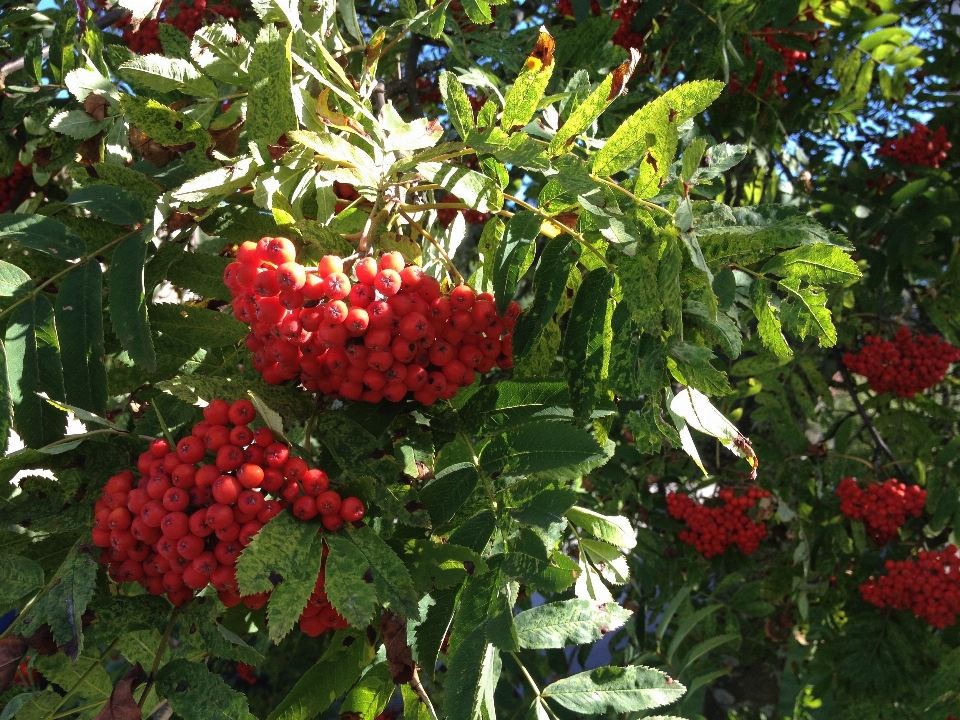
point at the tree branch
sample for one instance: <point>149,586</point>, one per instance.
<point>868,423</point>
<point>411,74</point>
<point>104,21</point>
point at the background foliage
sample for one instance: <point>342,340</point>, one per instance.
<point>723,224</point>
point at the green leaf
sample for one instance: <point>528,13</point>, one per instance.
<point>164,125</point>
<point>42,233</point>
<point>524,96</point>
<point>18,576</point>
<point>768,320</point>
<point>13,280</point>
<point>658,119</point>
<point>692,155</point>
<point>167,74</point>
<point>347,589</point>
<point>702,648</point>
<point>549,285</point>
<point>583,116</point>
<point>442,565</point>
<point>222,53</point>
<point>818,264</point>
<point>195,326</point>
<point>455,478</point>
<point>687,626</point>
<point>693,365</point>
<point>473,188</point>
<point>195,692</point>
<point>479,11</point>
<point>540,446</point>
<point>586,345</point>
<point>514,256</point>
<point>201,273</point>
<point>135,183</point>
<point>615,689</point>
<point>471,679</point>
<point>64,603</point>
<point>286,551</point>
<point>475,532</point>
<point>128,302</point>
<point>390,577</point>
<point>352,446</point>
<point>113,204</point>
<point>33,366</point>
<point>339,667</point>
<point>79,315</point>
<point>613,529</point>
<point>370,696</point>
<point>551,575</point>
<point>668,280</point>
<point>414,708</point>
<point>334,148</point>
<point>568,622</point>
<point>218,183</point>
<point>806,313</point>
<point>290,597</point>
<point>721,329</point>
<point>77,124</point>
<point>86,675</point>
<point>206,633</point>
<point>270,109</point>
<point>174,41</point>
<point>641,290</point>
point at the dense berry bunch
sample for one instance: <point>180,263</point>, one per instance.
<point>184,522</point>
<point>445,216</point>
<point>188,18</point>
<point>904,366</point>
<point>920,147</point>
<point>790,59</point>
<point>883,508</point>
<point>11,185</point>
<point>928,585</point>
<point>714,529</point>
<point>386,332</point>
<point>623,13</point>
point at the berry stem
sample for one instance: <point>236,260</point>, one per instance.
<point>164,639</point>
<point>570,231</point>
<point>81,680</point>
<point>451,268</point>
<point>82,261</point>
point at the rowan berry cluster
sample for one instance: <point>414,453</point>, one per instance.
<point>920,147</point>
<point>387,332</point>
<point>11,185</point>
<point>188,18</point>
<point>905,365</point>
<point>790,59</point>
<point>184,522</point>
<point>928,586</point>
<point>445,216</point>
<point>883,508</point>
<point>624,12</point>
<point>714,529</point>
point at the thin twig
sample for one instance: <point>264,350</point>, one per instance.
<point>76,686</point>
<point>639,201</point>
<point>451,268</point>
<point>422,693</point>
<point>871,428</point>
<point>158,657</point>
<point>570,231</point>
<point>82,261</point>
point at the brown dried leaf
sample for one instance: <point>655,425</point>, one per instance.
<point>42,640</point>
<point>96,106</point>
<point>12,650</point>
<point>121,705</point>
<point>152,151</point>
<point>393,627</point>
<point>226,140</point>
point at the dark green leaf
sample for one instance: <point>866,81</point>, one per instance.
<point>356,450</point>
<point>128,302</point>
<point>390,578</point>
<point>455,478</point>
<point>113,204</point>
<point>42,233</point>
<point>201,273</point>
<point>79,315</point>
<point>195,692</point>
<point>18,576</point>
<point>540,446</point>
<point>13,280</point>
<point>693,364</point>
<point>64,603</point>
<point>471,678</point>
<point>346,657</point>
<point>347,589</point>
<point>33,366</point>
<point>196,327</point>
<point>586,345</point>
<point>549,284</point>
